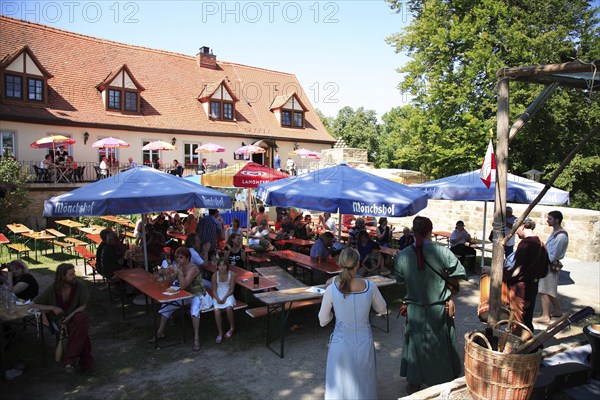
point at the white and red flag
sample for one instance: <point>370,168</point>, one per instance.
<point>488,166</point>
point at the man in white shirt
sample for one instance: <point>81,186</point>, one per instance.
<point>328,222</point>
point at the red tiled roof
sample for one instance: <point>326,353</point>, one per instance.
<point>172,82</point>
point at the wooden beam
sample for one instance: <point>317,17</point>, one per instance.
<point>532,109</point>
<point>503,117</point>
<point>548,69</point>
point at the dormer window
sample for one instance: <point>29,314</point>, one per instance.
<point>218,101</point>
<point>24,78</point>
<point>289,110</point>
<point>121,92</point>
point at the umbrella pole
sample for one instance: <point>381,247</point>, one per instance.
<point>248,216</point>
<point>339,226</point>
<point>144,242</point>
<point>484,236</point>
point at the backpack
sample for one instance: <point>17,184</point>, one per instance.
<point>540,267</point>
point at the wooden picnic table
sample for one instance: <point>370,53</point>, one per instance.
<point>145,282</point>
<point>441,236</point>
<point>55,233</point>
<point>179,236</point>
<point>307,262</point>
<point>37,236</point>
<point>275,273</point>
<point>119,220</point>
<point>91,230</point>
<point>280,302</point>
<point>70,224</point>
<point>18,229</point>
<point>293,241</point>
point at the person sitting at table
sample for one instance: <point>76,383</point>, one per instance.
<point>161,224</point>
<point>351,368</point>
<point>66,300</point>
<point>353,232</point>
<point>234,251</point>
<point>176,225</point>
<point>199,256</point>
<point>156,164</point>
<point>21,282</point>
<point>48,167</point>
<point>130,164</point>
<point>259,238</point>
<point>155,243</point>
<point>61,155</point>
<point>261,215</point>
<point>234,228</point>
<point>406,239</point>
<point>103,237</point>
<point>457,241</point>
<point>190,223</point>
<point>177,169</point>
<point>223,284</point>
<point>103,167</point>
<point>328,223</point>
<point>71,166</point>
<point>322,247</point>
<point>184,274</point>
<point>364,244</point>
<point>301,230</point>
<point>113,256</point>
<point>373,264</point>
<point>384,232</point>
<point>287,228</point>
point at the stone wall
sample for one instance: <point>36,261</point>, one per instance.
<point>583,225</point>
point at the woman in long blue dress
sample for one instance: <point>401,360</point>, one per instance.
<point>351,372</point>
<point>429,353</point>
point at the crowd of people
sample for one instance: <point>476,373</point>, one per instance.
<point>429,272</point>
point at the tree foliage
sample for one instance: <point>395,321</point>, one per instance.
<point>359,129</point>
<point>455,49</point>
<point>12,172</point>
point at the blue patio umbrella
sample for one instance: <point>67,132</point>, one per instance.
<point>469,186</point>
<point>345,190</point>
<point>139,190</point>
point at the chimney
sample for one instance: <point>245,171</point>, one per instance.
<point>206,59</point>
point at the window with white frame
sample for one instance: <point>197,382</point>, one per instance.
<point>189,153</point>
<point>7,143</point>
<point>148,156</point>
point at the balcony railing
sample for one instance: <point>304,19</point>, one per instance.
<point>87,172</point>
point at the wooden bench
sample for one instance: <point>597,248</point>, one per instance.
<point>3,240</point>
<point>76,242</point>
<point>89,258</point>
<point>18,248</point>
<point>62,245</point>
<point>259,312</point>
<point>253,260</point>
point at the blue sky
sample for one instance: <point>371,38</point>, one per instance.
<point>336,49</point>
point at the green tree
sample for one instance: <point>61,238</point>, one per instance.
<point>359,129</point>
<point>12,172</point>
<point>455,49</point>
<point>326,121</point>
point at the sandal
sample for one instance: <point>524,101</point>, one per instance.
<point>229,334</point>
<point>155,339</point>
<point>196,345</point>
<point>69,369</point>
<point>219,339</point>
